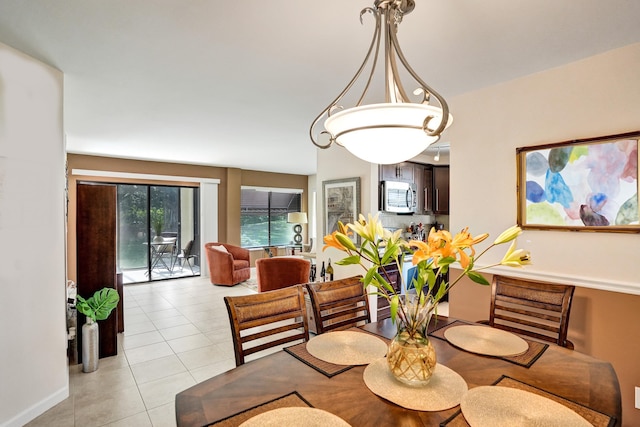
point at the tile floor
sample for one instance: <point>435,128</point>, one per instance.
<point>176,334</point>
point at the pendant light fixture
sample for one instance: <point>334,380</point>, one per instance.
<point>398,128</point>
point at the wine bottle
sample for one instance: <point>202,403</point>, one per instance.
<point>323,273</point>
<point>329,271</point>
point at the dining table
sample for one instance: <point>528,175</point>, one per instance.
<point>582,382</point>
<point>161,249</point>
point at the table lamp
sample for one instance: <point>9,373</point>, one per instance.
<point>297,218</point>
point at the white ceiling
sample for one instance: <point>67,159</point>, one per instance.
<point>237,83</point>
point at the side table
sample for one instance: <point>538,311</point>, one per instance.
<point>294,248</point>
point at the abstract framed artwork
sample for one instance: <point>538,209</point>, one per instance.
<point>581,185</point>
<point>341,201</point>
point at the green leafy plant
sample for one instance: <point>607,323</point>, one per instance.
<point>157,220</point>
<point>100,305</point>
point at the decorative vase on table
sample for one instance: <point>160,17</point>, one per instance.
<point>411,356</point>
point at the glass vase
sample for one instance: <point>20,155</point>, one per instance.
<point>411,356</point>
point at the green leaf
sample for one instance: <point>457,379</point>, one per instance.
<point>445,262</point>
<point>372,254</point>
<point>389,253</point>
<point>393,307</point>
<point>382,282</point>
<point>478,278</point>
<point>100,305</point>
<point>431,278</point>
<point>368,277</point>
<point>83,307</point>
<point>350,260</point>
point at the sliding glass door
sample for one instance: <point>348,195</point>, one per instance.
<point>155,226</point>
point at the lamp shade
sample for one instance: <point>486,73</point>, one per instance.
<point>385,133</point>
<point>297,217</point>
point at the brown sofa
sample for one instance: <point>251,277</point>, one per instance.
<point>281,272</point>
<point>227,267</point>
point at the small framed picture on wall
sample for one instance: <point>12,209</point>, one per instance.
<point>341,201</point>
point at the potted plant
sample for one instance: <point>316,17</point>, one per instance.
<point>97,307</point>
<point>411,357</point>
<point>157,222</point>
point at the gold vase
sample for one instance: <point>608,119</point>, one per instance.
<point>411,360</point>
<point>411,356</point>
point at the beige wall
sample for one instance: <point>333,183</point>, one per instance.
<point>593,97</point>
<point>337,163</point>
<point>33,362</point>
<point>231,180</point>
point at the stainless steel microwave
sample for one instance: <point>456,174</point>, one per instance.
<point>398,197</point>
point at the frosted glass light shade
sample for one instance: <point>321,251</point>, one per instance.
<point>297,217</point>
<point>385,133</point>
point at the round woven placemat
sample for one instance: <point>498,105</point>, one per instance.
<point>486,340</point>
<point>495,406</point>
<point>308,417</point>
<point>347,347</point>
<point>444,391</point>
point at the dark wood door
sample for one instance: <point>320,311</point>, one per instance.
<point>96,255</point>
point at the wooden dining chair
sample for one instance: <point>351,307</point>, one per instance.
<point>536,309</point>
<point>265,320</point>
<point>339,304</point>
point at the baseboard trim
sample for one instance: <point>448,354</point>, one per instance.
<point>39,408</point>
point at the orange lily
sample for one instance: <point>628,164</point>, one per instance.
<point>464,240</point>
<point>332,240</point>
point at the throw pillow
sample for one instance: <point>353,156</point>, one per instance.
<point>220,248</point>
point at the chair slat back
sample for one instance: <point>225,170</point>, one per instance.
<point>265,320</point>
<point>339,304</point>
<point>188,249</point>
<point>536,309</point>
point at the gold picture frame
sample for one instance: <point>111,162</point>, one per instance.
<point>581,185</point>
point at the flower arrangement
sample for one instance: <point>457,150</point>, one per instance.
<point>381,247</point>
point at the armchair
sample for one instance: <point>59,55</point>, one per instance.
<point>228,264</point>
<point>281,272</point>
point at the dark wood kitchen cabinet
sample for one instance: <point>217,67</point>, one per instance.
<point>427,190</point>
<point>397,172</point>
<point>418,175</point>
<point>441,190</point>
